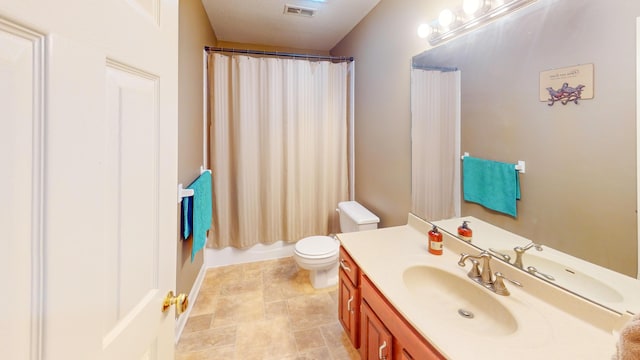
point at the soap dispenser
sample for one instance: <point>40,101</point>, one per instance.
<point>435,241</point>
<point>464,231</point>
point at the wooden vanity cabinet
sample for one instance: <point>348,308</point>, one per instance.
<point>376,341</point>
<point>385,334</point>
<point>349,297</point>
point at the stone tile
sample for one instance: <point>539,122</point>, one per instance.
<point>334,335</point>
<point>280,271</point>
<point>267,339</point>
<point>240,287</point>
<point>309,339</point>
<point>208,354</point>
<point>245,307</point>
<point>275,309</point>
<point>344,353</point>
<point>338,342</point>
<point>204,304</point>
<point>274,291</point>
<point>266,310</point>
<point>311,311</point>
<point>334,294</point>
<point>207,339</point>
<point>197,323</point>
<point>314,354</point>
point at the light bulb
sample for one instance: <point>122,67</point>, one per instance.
<point>471,7</point>
<point>424,30</point>
<point>446,18</point>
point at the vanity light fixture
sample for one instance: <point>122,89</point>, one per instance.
<point>472,14</point>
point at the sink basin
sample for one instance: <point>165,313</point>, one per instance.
<point>571,279</point>
<point>458,301</point>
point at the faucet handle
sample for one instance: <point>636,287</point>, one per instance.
<point>474,273</point>
<point>499,286</point>
<point>520,249</point>
<point>504,257</point>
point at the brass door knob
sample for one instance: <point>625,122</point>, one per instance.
<point>181,301</point>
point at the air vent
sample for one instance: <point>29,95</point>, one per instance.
<point>298,10</point>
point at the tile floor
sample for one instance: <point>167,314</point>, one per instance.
<point>263,311</point>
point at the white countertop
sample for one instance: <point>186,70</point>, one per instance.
<point>551,323</point>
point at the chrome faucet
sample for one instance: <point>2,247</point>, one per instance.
<point>521,250</point>
<point>485,276</point>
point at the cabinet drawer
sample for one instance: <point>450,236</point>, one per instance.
<point>349,267</point>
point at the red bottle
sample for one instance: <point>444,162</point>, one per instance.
<point>465,232</point>
<point>435,241</point>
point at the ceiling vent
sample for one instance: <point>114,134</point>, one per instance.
<point>299,10</point>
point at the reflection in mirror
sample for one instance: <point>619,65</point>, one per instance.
<point>578,196</point>
<point>435,133</point>
<point>608,288</point>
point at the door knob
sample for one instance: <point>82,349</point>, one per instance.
<point>181,301</point>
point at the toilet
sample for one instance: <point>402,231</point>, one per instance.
<point>319,254</point>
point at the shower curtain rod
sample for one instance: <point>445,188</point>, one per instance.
<point>277,53</point>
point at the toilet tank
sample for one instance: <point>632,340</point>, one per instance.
<point>355,217</point>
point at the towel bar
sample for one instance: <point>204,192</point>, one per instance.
<point>520,166</point>
<point>182,193</point>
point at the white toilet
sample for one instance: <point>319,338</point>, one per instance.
<point>319,254</point>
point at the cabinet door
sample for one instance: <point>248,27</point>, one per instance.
<point>349,308</point>
<point>404,355</point>
<point>375,340</point>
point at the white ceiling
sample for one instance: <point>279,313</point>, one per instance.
<point>264,22</point>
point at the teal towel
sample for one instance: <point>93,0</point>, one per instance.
<point>492,184</point>
<point>197,212</point>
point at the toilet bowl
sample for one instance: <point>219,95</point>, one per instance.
<point>319,254</point>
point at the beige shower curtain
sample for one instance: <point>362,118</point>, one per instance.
<point>278,138</point>
<point>435,144</point>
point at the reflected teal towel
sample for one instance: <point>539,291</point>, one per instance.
<point>494,185</point>
<point>197,212</point>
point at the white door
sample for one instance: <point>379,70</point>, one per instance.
<point>88,159</point>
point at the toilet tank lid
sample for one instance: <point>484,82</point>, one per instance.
<point>358,213</point>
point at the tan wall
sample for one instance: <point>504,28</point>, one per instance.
<point>195,33</point>
<point>383,44</point>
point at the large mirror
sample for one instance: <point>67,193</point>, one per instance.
<point>578,195</point>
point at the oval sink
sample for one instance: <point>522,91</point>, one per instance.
<point>458,301</point>
<point>571,279</point>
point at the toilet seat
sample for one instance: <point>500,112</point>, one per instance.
<point>317,247</point>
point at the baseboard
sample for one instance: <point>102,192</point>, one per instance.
<point>181,322</point>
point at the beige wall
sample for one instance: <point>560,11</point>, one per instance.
<point>383,44</point>
<point>195,33</point>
